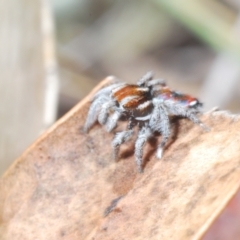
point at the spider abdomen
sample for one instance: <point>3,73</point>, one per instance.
<point>166,94</point>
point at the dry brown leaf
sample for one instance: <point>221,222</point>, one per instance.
<point>67,186</point>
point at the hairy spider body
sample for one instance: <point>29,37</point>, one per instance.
<point>147,105</point>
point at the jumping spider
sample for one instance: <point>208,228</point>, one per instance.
<point>148,105</point>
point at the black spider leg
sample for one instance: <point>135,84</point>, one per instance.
<point>143,135</point>
<point>160,122</point>
<point>179,110</point>
<point>131,122</point>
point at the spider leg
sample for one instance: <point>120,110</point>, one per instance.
<point>156,82</point>
<point>145,78</point>
<point>107,90</point>
<point>112,121</point>
<point>144,134</point>
<point>94,110</point>
<point>179,110</point>
<point>119,139</point>
<point>131,123</point>
<point>104,112</point>
<point>159,122</point>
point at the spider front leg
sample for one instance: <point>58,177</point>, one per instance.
<point>144,134</point>
<point>94,110</point>
<point>119,139</point>
<point>112,120</point>
<point>104,112</point>
<point>159,122</point>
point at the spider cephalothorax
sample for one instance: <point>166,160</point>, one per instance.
<point>147,105</point>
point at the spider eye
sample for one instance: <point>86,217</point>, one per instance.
<point>195,104</point>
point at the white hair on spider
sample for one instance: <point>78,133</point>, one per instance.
<point>147,105</point>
